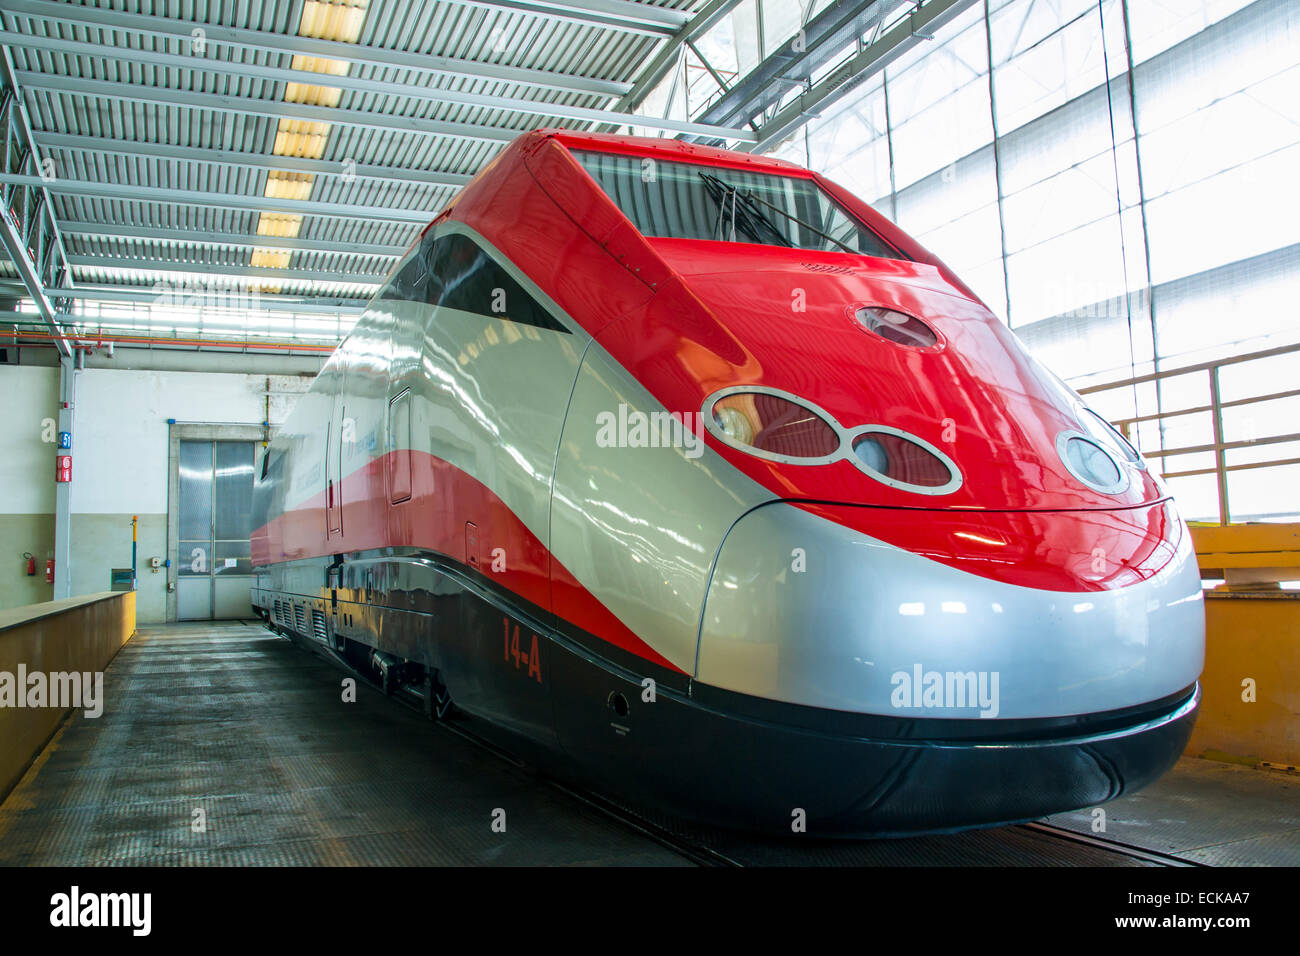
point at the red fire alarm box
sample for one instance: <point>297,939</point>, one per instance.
<point>63,468</point>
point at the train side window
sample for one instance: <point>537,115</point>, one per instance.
<point>409,283</point>
<point>463,276</point>
<point>399,447</point>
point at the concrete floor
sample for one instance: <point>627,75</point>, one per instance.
<point>242,725</point>
<point>237,723</point>
<point>1219,814</point>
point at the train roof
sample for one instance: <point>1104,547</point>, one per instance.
<point>666,149</point>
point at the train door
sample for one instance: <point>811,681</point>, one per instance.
<point>399,448</point>
<point>489,397</point>
<point>405,316</point>
<point>334,438</point>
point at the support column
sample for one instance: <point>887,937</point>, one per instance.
<point>63,489</point>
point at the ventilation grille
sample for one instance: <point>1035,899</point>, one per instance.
<point>300,618</point>
<point>827,267</point>
<point>277,612</point>
<point>318,627</point>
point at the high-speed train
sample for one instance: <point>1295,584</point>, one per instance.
<point>705,486</point>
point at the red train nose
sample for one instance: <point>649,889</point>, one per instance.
<point>1053,551</point>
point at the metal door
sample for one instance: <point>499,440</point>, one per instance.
<point>334,470</point>
<point>215,517</point>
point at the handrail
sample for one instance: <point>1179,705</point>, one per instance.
<point>1219,446</point>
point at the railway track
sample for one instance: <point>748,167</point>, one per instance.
<point>405,696</point>
<point>702,854</point>
<point>695,852</point>
<point>1108,845</point>
<point>738,850</point>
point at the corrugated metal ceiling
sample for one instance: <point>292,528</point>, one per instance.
<point>133,102</point>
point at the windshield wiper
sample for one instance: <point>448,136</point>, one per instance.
<point>747,217</point>
<point>753,215</point>
<point>719,194</point>
<point>749,196</point>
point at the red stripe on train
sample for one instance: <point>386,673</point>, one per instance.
<point>443,499</point>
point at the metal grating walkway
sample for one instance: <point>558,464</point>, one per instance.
<point>248,728</point>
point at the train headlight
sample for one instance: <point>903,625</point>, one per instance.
<point>1091,462</point>
<point>778,426</point>
<point>772,425</point>
<point>735,424</point>
<point>904,461</point>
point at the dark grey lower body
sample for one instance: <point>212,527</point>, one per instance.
<point>578,707</point>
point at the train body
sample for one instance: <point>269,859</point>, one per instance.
<point>712,489</point>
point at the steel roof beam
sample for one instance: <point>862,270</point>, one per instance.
<point>663,60</point>
<point>306,207</point>
<point>170,236</point>
<point>823,37</point>
<point>31,282</point>
<point>276,109</point>
<point>241,160</point>
<point>274,74</point>
<point>28,229</point>
<point>286,44</point>
<point>220,269</point>
<point>916,27</point>
<point>621,15</point>
<point>270,301</point>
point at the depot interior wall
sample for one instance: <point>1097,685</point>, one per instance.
<point>120,448</point>
<point>31,396</point>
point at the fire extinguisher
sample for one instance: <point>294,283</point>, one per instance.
<point>31,564</point>
<point>49,570</point>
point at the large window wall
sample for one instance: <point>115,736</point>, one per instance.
<point>1117,180</point>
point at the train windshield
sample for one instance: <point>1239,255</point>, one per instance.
<point>674,200</point>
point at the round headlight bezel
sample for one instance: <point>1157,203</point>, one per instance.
<point>1118,486</point>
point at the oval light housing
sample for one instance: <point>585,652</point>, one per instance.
<point>1090,462</point>
<point>896,327</point>
<point>904,461</point>
<point>775,425</point>
<point>772,426</point>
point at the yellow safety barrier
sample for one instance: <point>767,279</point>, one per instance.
<point>1250,705</point>
<point>41,647</point>
<point>1248,556</point>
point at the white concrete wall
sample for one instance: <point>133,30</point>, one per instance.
<point>119,468</point>
<point>120,460</point>
<point>30,396</point>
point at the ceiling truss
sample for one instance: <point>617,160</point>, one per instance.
<point>151,154</point>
